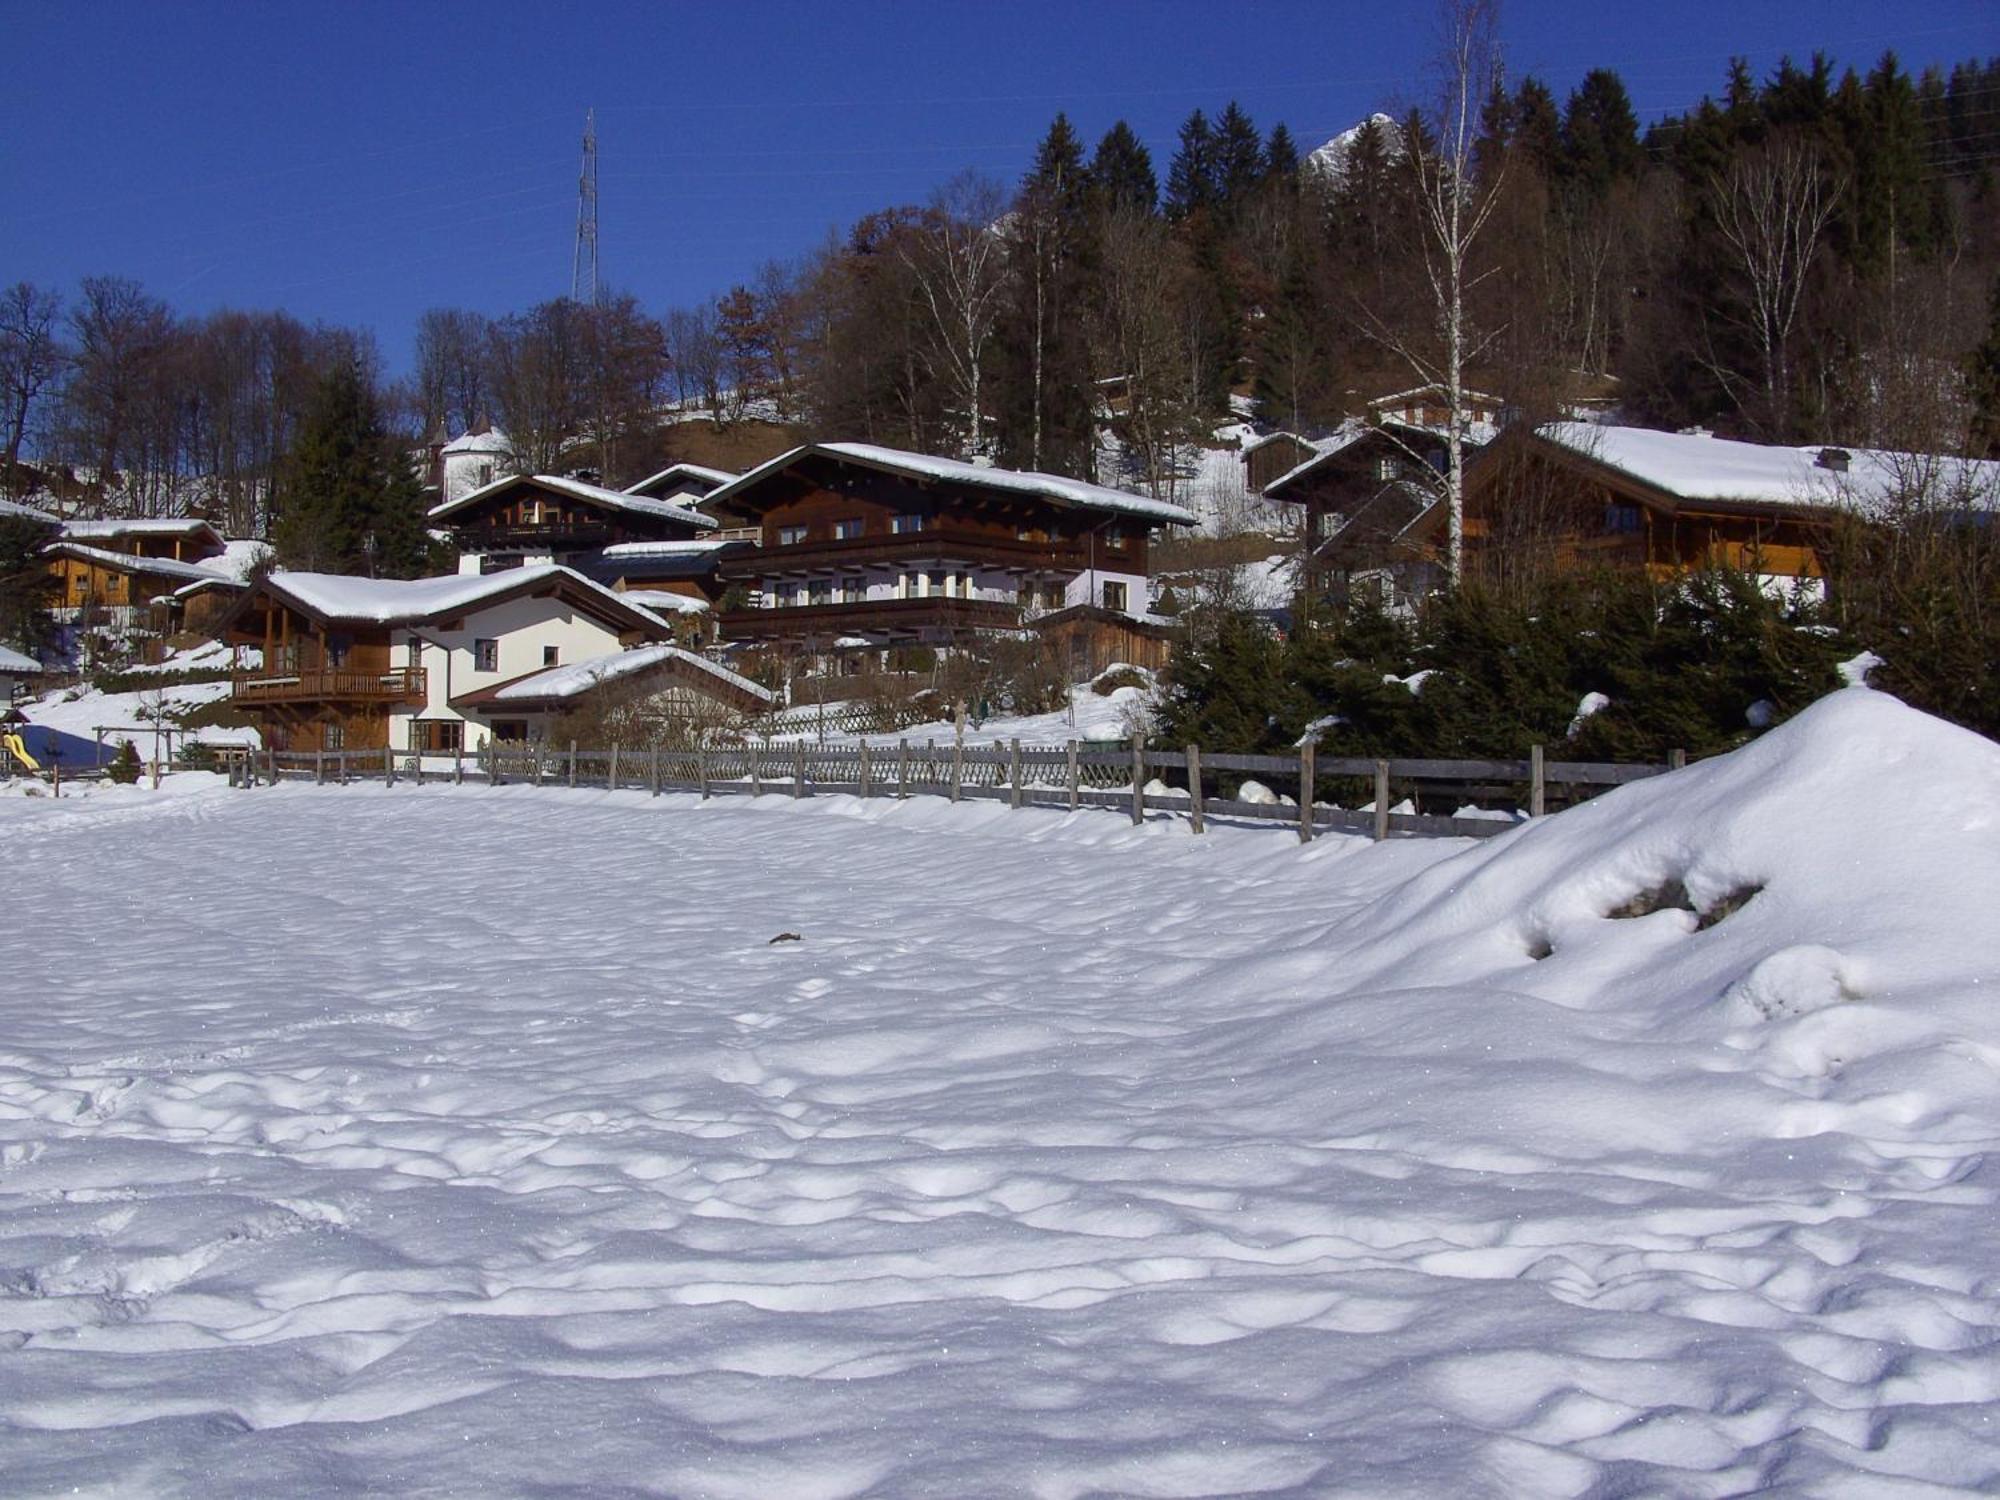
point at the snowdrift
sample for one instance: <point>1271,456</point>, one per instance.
<point>488,1143</point>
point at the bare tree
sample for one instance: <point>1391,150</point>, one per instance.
<point>119,334</point>
<point>958,261</point>
<point>1771,208</point>
<point>694,357</point>
<point>31,356</point>
<point>1453,202</point>
<point>451,385</point>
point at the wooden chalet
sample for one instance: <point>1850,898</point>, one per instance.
<point>1429,406</point>
<point>523,520</point>
<point>1368,498</point>
<point>362,663</point>
<point>663,683</point>
<point>128,573</point>
<point>866,548</point>
<point>1575,495</point>
<point>1273,456</point>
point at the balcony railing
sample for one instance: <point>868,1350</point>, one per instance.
<point>396,685</point>
<point>935,544</point>
<point>899,617</point>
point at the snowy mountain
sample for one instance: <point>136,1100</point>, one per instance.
<point>1329,162</point>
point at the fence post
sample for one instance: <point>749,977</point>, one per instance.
<point>1676,759</point>
<point>1074,777</point>
<point>611,772</point>
<point>1014,774</point>
<point>701,769</point>
<point>798,768</point>
<point>1381,799</point>
<point>864,767</point>
<point>756,769</point>
<point>1308,752</point>
<point>417,764</point>
<point>572,762</point>
<point>272,757</point>
<point>1194,787</point>
<point>1537,789</point>
<point>1138,778</point>
<point>902,769</point>
<point>388,766</point>
<point>655,774</point>
<point>957,767</point>
<point>319,768</point>
<point>540,746</point>
<point>156,770</point>
<point>458,759</point>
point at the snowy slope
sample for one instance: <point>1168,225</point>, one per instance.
<point>1054,1158</point>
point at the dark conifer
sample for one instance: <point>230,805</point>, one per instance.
<point>1281,155</point>
<point>1191,178</point>
<point>346,500</point>
<point>1122,172</point>
<point>1238,161</point>
<point>1600,134</point>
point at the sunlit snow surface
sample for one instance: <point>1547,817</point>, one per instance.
<point>435,1141</point>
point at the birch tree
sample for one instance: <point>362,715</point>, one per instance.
<point>958,263</point>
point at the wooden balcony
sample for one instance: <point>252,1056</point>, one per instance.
<point>898,619</point>
<point>943,545</point>
<point>396,685</point>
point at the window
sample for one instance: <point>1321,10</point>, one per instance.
<point>908,523</point>
<point>415,652</point>
<point>485,475</point>
<point>1621,520</point>
<point>1385,467</point>
<point>333,735</point>
<point>1114,597</point>
<point>337,647</point>
<point>1055,596</point>
<point>791,536</point>
<point>853,591</point>
<point>844,531</point>
<point>549,656</point>
<point>1114,536</point>
<point>485,656</point>
<point>822,591</point>
<point>436,736</point>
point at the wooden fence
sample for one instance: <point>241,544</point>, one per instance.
<point>1068,776</point>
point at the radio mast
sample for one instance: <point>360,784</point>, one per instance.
<point>583,260</point>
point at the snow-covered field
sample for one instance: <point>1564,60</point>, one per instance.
<point>460,1141</point>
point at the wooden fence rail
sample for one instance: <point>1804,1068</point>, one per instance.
<point>1138,778</point>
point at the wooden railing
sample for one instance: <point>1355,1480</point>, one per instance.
<point>1144,782</point>
<point>392,685</point>
<point>937,612</point>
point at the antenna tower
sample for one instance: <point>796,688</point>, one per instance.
<point>583,260</point>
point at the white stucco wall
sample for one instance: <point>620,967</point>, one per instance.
<point>523,627</point>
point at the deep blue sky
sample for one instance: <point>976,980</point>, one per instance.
<point>360,162</point>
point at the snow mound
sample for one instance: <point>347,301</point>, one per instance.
<point>1801,870</point>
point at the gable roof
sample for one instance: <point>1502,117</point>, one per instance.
<point>1348,437</point>
<point>14,510</point>
<point>130,562</point>
<point>21,666</point>
<point>1052,488</point>
<point>711,478</point>
<point>557,686</point>
<point>483,440</point>
<point>1698,468</point>
<point>576,489</point>
<point>337,598</point>
<point>108,530</point>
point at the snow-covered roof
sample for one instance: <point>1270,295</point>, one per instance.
<point>1432,388</point>
<point>676,471</point>
<point>105,530</point>
<point>13,661</point>
<point>691,547</point>
<point>577,489</point>
<point>662,602</point>
<point>490,440</point>
<point>582,676</point>
<point>1349,434</point>
<point>1697,466</point>
<point>1050,487</point>
<point>15,510</point>
<point>127,562</point>
<point>411,601</point>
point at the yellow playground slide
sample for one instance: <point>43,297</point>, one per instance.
<point>11,745</point>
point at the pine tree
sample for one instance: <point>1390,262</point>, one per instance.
<point>1538,127</point>
<point>1982,378</point>
<point>1237,162</point>
<point>1281,155</point>
<point>346,498</point>
<point>1191,178</point>
<point>1600,134</point>
<point>1122,172</point>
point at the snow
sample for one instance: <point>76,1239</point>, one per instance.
<point>577,489</point>
<point>692,471</point>
<point>385,601</point>
<point>1854,671</point>
<point>1053,487</point>
<point>581,676</point>
<point>1329,162</point>
<point>86,531</point>
<point>82,711</point>
<point>126,562</point>
<point>487,440</point>
<point>14,510</point>
<point>663,602</point>
<point>1698,466</point>
<point>18,662</point>
<point>693,548</point>
<point>1056,1157</point>
<point>1587,706</point>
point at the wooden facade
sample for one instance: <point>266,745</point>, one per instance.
<point>1271,458</point>
<point>1089,640</point>
<point>1367,504</point>
<point>866,552</point>
<point>561,520</point>
<point>1532,502</point>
